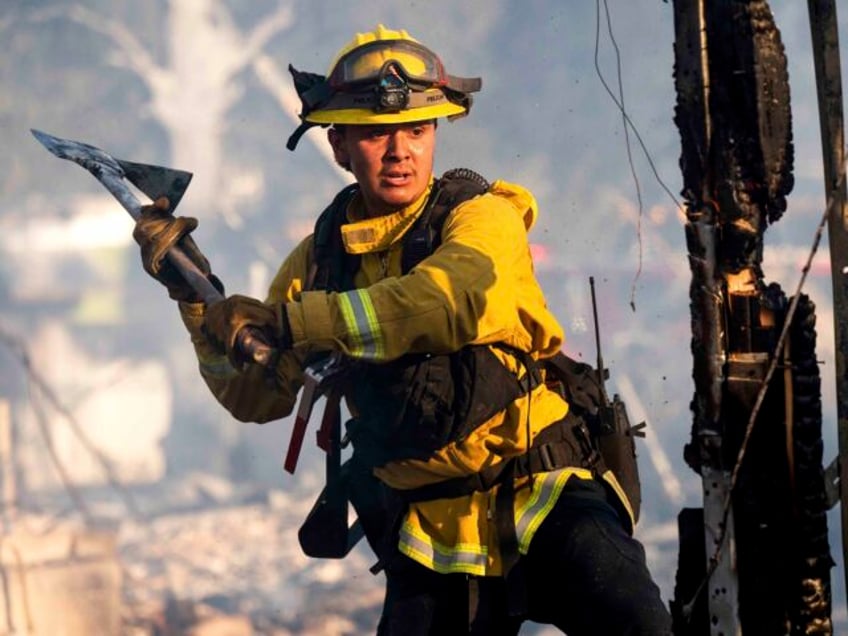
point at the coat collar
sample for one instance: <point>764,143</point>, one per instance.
<point>363,234</point>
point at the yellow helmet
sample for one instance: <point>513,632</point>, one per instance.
<point>381,77</point>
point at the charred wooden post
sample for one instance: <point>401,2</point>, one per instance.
<point>760,500</point>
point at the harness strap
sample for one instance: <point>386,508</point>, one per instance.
<point>545,457</point>
<point>508,541</point>
<point>332,267</point>
<point>451,189</point>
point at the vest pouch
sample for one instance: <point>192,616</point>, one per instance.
<point>405,409</point>
<point>617,446</point>
<point>410,408</point>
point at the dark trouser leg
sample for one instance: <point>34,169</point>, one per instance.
<point>420,602</point>
<point>418,599</point>
<point>587,576</point>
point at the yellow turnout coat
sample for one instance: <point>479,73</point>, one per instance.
<point>477,287</point>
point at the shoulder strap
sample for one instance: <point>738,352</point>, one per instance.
<point>330,261</point>
<point>454,187</point>
<point>578,382</point>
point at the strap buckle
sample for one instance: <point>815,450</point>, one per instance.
<point>591,454</point>
<point>547,458</point>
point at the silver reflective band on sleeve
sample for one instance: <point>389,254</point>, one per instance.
<point>366,338</point>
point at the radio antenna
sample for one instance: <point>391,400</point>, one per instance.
<point>601,372</point>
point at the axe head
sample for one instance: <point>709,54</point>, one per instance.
<point>154,181</point>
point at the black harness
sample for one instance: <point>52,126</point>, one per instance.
<point>466,389</point>
<point>418,404</point>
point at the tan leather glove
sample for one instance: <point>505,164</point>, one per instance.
<point>156,231</point>
<point>225,319</point>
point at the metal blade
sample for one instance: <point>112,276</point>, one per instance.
<point>154,181</point>
<point>92,159</point>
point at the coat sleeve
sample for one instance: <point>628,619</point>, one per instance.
<point>256,394</point>
<point>478,287</point>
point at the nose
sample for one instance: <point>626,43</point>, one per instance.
<point>398,145</point>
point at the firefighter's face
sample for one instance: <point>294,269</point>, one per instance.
<point>391,162</point>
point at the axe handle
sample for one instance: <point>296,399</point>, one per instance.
<point>249,340</point>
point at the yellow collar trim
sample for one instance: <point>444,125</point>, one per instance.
<point>363,235</point>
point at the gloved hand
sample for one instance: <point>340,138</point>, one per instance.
<point>226,318</point>
<point>156,230</point>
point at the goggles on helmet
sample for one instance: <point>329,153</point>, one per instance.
<point>368,65</point>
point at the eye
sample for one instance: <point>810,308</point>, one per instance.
<point>377,131</point>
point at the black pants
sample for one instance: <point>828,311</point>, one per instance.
<point>583,573</point>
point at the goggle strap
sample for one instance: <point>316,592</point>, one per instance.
<point>315,92</point>
<point>460,99</point>
<point>368,100</point>
<point>464,84</point>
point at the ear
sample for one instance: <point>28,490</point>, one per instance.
<point>337,143</point>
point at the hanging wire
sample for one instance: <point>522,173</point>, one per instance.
<point>620,103</point>
<point>628,125</point>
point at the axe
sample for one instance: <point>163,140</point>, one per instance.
<point>155,182</point>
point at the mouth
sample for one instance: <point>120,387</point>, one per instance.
<point>396,179</point>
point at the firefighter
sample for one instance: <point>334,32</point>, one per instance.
<point>498,517</point>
